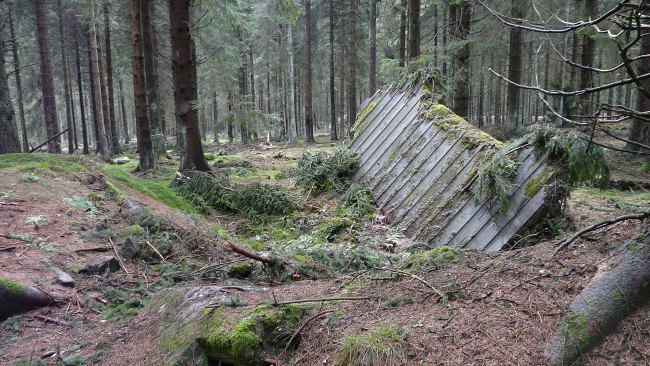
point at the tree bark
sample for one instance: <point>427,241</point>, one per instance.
<point>514,68</point>
<point>145,146</point>
<point>640,129</point>
<point>402,33</point>
<point>588,48</point>
<point>184,77</point>
<point>9,142</point>
<point>414,29</point>
<point>333,133</point>
<point>16,298</point>
<point>19,88</point>
<point>66,80</point>
<point>241,81</point>
<point>157,134</point>
<point>620,285</point>
<point>98,143</point>
<point>352,58</point>
<point>115,138</point>
<point>104,147</point>
<point>104,99</point>
<point>309,108</point>
<point>215,118</point>
<point>125,123</point>
<point>461,59</point>
<point>47,81</point>
<point>372,72</point>
<point>293,133</point>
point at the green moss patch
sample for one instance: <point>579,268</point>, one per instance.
<point>11,287</point>
<point>438,257</point>
<point>133,230</point>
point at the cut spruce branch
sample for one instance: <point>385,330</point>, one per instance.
<point>117,254</point>
<point>600,225</point>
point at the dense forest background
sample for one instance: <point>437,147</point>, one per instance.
<point>287,68</point>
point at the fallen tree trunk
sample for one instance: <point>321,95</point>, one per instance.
<point>620,285</point>
<point>16,298</point>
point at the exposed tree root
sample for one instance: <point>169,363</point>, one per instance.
<point>620,284</point>
<point>16,298</point>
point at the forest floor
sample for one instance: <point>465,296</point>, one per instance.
<point>503,309</point>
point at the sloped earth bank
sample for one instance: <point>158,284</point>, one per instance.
<point>502,308</point>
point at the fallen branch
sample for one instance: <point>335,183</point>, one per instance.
<point>249,254</point>
<point>118,256</point>
<point>443,296</point>
<point>597,226</point>
<point>6,249</point>
<point>16,237</point>
<point>303,325</point>
<point>162,259</point>
<point>359,298</point>
<point>52,320</point>
<point>93,249</point>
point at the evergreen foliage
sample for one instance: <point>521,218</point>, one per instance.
<point>208,192</point>
<point>321,172</point>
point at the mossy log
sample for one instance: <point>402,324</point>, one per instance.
<point>16,298</point>
<point>620,285</point>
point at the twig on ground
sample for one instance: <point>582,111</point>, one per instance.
<point>358,298</point>
<point>597,226</point>
<point>118,256</point>
<point>93,249</point>
<point>52,320</point>
<point>16,237</point>
<point>6,249</point>
<point>162,259</point>
<point>443,296</point>
<point>303,325</point>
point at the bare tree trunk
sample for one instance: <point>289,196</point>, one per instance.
<point>184,76</point>
<point>19,88</point>
<point>402,33</point>
<point>104,99</point>
<point>352,57</point>
<point>514,68</point>
<point>215,118</point>
<point>414,28</point>
<point>333,132</point>
<point>372,77</point>
<point>309,109</point>
<point>102,133</point>
<point>461,59</point>
<point>145,146</point>
<point>124,118</point>
<point>640,129</point>
<point>99,144</point>
<point>157,133</point>
<point>47,81</point>
<point>293,133</point>
<point>115,138</point>
<point>9,142</point>
<point>66,80</point>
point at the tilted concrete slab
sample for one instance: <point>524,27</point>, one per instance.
<point>421,161</point>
